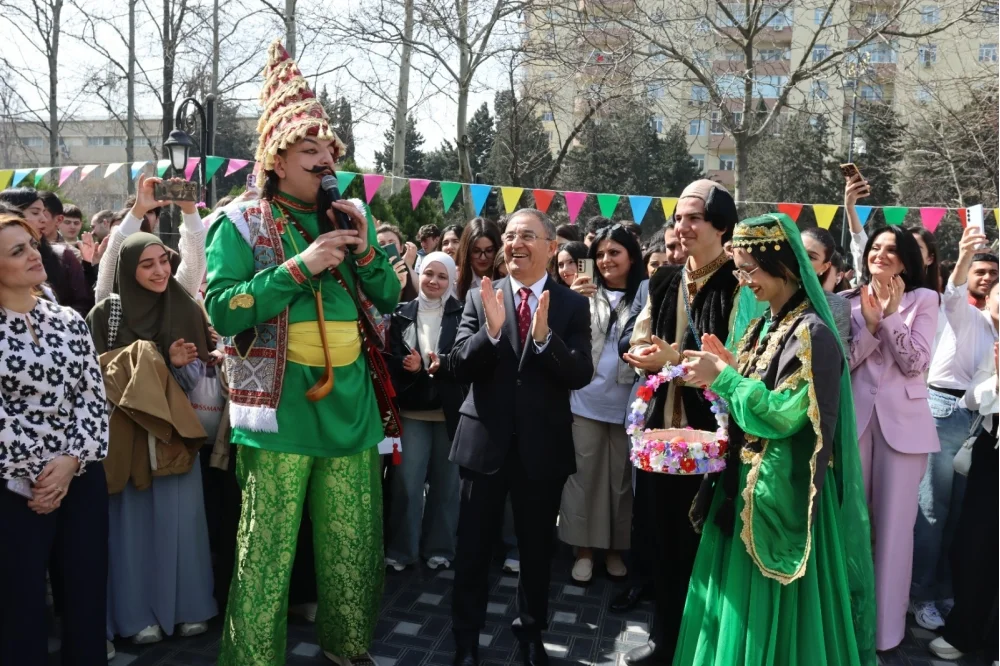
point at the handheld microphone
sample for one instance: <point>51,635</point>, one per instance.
<point>341,220</point>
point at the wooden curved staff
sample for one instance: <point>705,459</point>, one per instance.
<point>324,385</point>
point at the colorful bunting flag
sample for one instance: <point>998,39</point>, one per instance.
<point>112,168</point>
<point>417,188</point>
<point>961,216</point>
<point>864,212</point>
<point>449,191</point>
<point>639,205</point>
<point>373,181</point>
<point>574,202</point>
<point>65,173</point>
<point>137,167</point>
<point>5,177</point>
<point>894,215</point>
<point>234,166</point>
<point>931,217</point>
<point>792,210</point>
<point>161,167</point>
<point>824,214</point>
<point>19,175</point>
<point>41,174</point>
<point>607,203</point>
<point>543,199</point>
<point>669,204</point>
<point>511,196</point>
<point>191,166</point>
<point>996,216</point>
<point>212,165</point>
<point>87,170</point>
<point>480,193</point>
<point>344,179</point>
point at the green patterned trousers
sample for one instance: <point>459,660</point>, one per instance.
<point>345,504</point>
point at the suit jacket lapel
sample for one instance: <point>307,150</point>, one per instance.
<point>510,318</point>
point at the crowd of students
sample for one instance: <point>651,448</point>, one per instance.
<point>158,478</point>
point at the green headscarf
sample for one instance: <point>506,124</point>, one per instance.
<point>854,523</point>
<point>162,318</point>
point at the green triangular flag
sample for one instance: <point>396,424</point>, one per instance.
<point>894,214</point>
<point>161,167</point>
<point>344,179</point>
<point>607,203</point>
<point>449,191</point>
<point>212,165</point>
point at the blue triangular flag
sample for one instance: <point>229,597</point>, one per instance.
<point>19,175</point>
<point>480,193</point>
<point>137,167</point>
<point>640,205</point>
<point>864,212</point>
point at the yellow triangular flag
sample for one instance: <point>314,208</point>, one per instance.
<point>824,214</point>
<point>5,177</point>
<point>668,203</point>
<point>511,195</point>
<point>996,216</point>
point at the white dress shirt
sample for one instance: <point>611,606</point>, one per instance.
<point>536,293</point>
<point>967,339</point>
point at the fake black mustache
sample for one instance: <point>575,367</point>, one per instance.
<point>319,169</point>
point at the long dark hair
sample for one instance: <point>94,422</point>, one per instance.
<point>932,271</point>
<point>908,252</point>
<point>477,228</point>
<point>824,238</point>
<point>637,272</point>
<point>576,249</point>
<point>21,198</point>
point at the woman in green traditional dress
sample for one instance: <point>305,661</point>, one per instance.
<point>783,575</point>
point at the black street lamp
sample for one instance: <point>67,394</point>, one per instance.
<point>184,121</point>
<point>178,146</point>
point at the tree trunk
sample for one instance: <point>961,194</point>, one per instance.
<point>464,63</point>
<point>290,27</point>
<point>54,84</point>
<point>742,167</point>
<point>213,99</point>
<point>170,217</point>
<point>130,95</point>
<point>402,99</point>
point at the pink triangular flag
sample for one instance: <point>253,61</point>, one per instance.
<point>65,173</point>
<point>191,166</point>
<point>373,181</point>
<point>574,202</point>
<point>85,171</point>
<point>931,217</point>
<point>235,165</point>
<point>417,188</point>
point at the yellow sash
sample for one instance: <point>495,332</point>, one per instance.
<point>306,348</point>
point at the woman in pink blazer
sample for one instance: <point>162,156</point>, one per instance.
<point>893,320</point>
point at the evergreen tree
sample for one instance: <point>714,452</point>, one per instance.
<point>441,163</point>
<point>481,137</point>
<point>882,137</point>
<point>343,125</point>
<point>235,136</point>
<point>414,154</point>
<point>520,154</point>
<point>677,169</point>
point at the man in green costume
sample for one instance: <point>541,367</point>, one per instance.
<point>291,296</point>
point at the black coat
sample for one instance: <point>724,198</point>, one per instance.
<point>520,397</point>
<point>418,391</point>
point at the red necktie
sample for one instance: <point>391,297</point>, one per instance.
<point>523,314</point>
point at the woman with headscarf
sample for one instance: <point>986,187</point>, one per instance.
<point>783,574</point>
<point>160,572</point>
<point>421,336</point>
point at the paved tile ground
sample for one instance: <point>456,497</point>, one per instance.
<point>415,628</point>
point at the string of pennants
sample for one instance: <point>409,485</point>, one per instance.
<point>930,216</point>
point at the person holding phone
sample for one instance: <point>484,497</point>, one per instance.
<point>53,435</point>
<point>390,239</point>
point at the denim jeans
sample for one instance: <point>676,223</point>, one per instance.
<point>413,527</point>
<point>940,498</point>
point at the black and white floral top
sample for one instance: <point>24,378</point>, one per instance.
<point>52,398</point>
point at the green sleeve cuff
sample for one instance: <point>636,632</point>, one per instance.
<point>725,384</point>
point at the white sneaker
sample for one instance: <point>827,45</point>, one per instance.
<point>510,565</point>
<point>945,607</point>
<point>944,649</point>
<point>438,561</point>
<point>151,634</point>
<point>927,616</point>
<point>111,650</point>
<point>188,629</point>
<point>389,562</point>
<point>306,611</point>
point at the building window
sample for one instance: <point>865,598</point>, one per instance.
<point>547,116</point>
<point>696,128</point>
<point>103,141</point>
<point>703,57</point>
<point>819,90</point>
<point>716,122</point>
<point>699,159</point>
<point>990,11</point>
<point>699,93</point>
<point>655,90</point>
<point>770,55</point>
<point>598,57</point>
<point>874,19</point>
<point>737,118</point>
<point>924,95</point>
<point>777,18</point>
<point>871,93</point>
<point>33,142</point>
<point>702,26</point>
<point>820,51</point>
<point>737,12</point>
<point>769,87</point>
<point>727,162</point>
<point>550,76</point>
<point>930,14</point>
<point>657,124</point>
<point>987,53</point>
<point>729,85</point>
<point>820,17</point>
<point>927,54</point>
<point>733,55</point>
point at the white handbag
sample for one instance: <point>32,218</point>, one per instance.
<point>963,459</point>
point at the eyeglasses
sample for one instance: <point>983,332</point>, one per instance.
<point>482,254</point>
<point>745,276</point>
<point>525,236</point>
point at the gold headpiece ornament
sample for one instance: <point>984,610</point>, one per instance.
<point>747,236</point>
<point>291,110</point>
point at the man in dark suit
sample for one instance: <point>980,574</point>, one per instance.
<point>522,347</point>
